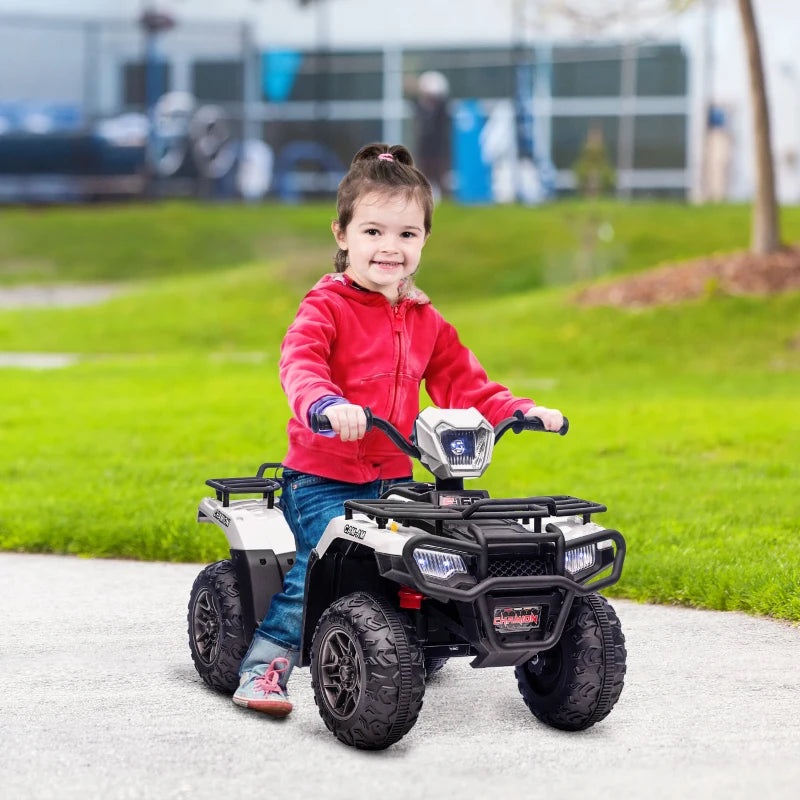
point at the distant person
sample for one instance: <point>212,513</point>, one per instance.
<point>718,156</point>
<point>433,130</point>
<point>363,336</point>
<point>594,174</point>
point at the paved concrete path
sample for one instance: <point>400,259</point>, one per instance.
<point>57,295</point>
<point>100,700</point>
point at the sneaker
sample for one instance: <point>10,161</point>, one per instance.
<point>264,692</point>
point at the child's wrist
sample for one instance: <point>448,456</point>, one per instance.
<point>321,406</point>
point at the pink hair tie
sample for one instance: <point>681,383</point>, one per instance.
<point>385,157</point>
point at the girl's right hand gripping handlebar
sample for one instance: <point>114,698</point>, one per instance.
<point>319,422</point>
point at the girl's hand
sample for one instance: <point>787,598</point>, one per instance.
<point>349,422</point>
<point>552,418</point>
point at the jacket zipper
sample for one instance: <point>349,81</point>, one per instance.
<point>397,326</point>
<point>397,319</point>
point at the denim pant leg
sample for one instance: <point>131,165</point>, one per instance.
<point>309,504</point>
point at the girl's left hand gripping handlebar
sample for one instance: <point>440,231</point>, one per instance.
<point>319,422</point>
<point>519,422</point>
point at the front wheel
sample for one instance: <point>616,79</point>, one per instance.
<point>367,671</point>
<point>217,638</point>
<point>576,683</point>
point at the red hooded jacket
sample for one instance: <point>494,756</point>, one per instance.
<point>353,343</point>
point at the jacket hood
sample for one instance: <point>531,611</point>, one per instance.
<point>340,283</point>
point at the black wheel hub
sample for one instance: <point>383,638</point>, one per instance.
<point>544,670</point>
<point>340,672</point>
<point>205,628</point>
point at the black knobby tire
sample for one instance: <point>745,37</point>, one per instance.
<point>367,671</point>
<point>217,637</point>
<point>577,683</point>
<point>433,665</point>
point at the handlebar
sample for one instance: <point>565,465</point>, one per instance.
<point>518,423</point>
<point>319,422</point>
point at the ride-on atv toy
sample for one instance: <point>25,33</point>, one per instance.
<point>429,571</point>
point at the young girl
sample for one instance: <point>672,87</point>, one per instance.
<point>363,336</point>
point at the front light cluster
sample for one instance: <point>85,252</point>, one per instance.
<point>438,564</point>
<point>454,442</point>
<point>578,559</point>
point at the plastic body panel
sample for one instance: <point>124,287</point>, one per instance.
<point>248,524</point>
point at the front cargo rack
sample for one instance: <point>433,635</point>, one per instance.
<point>566,506</point>
<point>524,509</point>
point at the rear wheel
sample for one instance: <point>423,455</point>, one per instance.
<point>217,638</point>
<point>367,671</point>
<point>576,683</point>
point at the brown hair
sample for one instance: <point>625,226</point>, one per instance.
<point>368,173</point>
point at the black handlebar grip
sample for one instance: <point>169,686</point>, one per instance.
<point>319,422</point>
<point>536,424</point>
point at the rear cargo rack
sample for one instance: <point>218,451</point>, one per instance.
<point>525,509</point>
<point>225,487</point>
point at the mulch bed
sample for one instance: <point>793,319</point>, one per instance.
<point>733,274</point>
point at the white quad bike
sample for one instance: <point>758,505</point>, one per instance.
<point>398,585</point>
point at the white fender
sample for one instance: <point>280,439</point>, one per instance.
<point>249,524</point>
<point>390,540</point>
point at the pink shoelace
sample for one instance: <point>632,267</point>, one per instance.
<point>268,682</point>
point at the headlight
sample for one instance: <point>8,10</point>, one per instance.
<point>438,564</point>
<point>464,449</point>
<point>454,442</point>
<point>579,558</point>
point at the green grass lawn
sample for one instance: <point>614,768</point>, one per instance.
<point>684,420</point>
<point>521,248</point>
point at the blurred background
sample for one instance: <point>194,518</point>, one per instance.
<point>167,172</point>
<point>500,100</point>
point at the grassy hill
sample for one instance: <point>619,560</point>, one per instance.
<point>684,419</point>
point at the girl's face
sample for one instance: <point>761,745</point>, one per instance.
<point>384,241</point>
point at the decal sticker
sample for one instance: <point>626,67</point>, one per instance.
<point>516,619</point>
<point>356,533</point>
<point>457,447</point>
<point>457,500</point>
<point>220,517</point>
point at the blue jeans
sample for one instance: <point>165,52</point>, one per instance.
<point>309,504</point>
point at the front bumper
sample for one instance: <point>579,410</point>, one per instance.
<point>551,594</point>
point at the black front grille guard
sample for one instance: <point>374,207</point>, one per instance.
<point>471,539</point>
<point>478,595</point>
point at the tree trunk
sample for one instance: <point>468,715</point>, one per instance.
<point>765,236</point>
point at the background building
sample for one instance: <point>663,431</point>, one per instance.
<point>316,80</point>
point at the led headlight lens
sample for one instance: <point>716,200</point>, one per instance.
<point>438,563</point>
<point>464,449</point>
<point>579,558</point>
